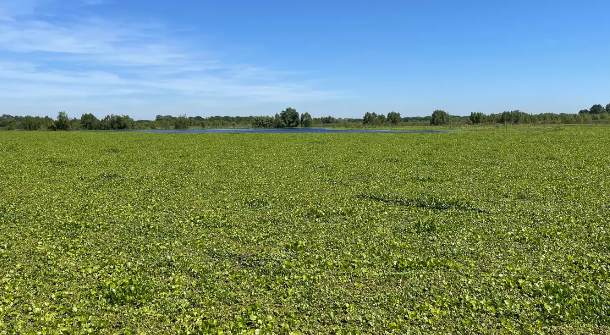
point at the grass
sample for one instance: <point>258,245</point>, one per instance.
<point>487,231</point>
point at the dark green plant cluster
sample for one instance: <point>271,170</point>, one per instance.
<point>62,122</point>
<point>326,120</point>
<point>181,122</point>
<point>596,109</point>
<point>493,231</point>
<point>288,118</point>
<point>440,118</point>
<point>125,291</point>
<point>375,119</point>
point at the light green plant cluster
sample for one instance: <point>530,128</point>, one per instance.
<point>493,231</point>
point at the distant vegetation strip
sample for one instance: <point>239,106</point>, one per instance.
<point>290,118</point>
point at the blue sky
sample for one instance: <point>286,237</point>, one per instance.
<point>339,57</point>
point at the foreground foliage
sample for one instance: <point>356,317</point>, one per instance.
<point>490,232</point>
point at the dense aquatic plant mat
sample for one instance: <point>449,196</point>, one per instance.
<point>494,231</point>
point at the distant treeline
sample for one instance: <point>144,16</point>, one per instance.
<point>596,114</point>
<point>291,118</point>
<point>287,118</point>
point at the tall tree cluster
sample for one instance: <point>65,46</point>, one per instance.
<point>288,118</point>
<point>64,122</point>
<point>596,109</point>
<point>439,118</point>
<point>375,119</point>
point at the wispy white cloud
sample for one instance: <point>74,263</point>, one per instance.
<point>29,81</point>
<point>46,56</point>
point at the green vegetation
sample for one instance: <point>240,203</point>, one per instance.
<point>306,120</point>
<point>394,118</point>
<point>181,122</point>
<point>489,231</point>
<point>373,119</point>
<point>440,118</point>
<point>62,122</point>
<point>289,118</point>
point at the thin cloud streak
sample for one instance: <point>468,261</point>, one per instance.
<point>99,57</point>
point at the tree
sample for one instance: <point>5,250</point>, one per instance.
<point>306,120</point>
<point>278,122</point>
<point>262,122</point>
<point>89,122</point>
<point>597,109</point>
<point>290,117</point>
<point>328,119</point>
<point>30,123</point>
<point>519,117</point>
<point>62,122</point>
<point>394,118</point>
<point>373,118</point>
<point>584,111</point>
<point>476,117</point>
<point>608,108</point>
<point>368,118</point>
<point>117,122</point>
<point>439,117</point>
<point>5,119</point>
<point>181,122</point>
<point>75,123</point>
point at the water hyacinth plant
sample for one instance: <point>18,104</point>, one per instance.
<point>489,231</point>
